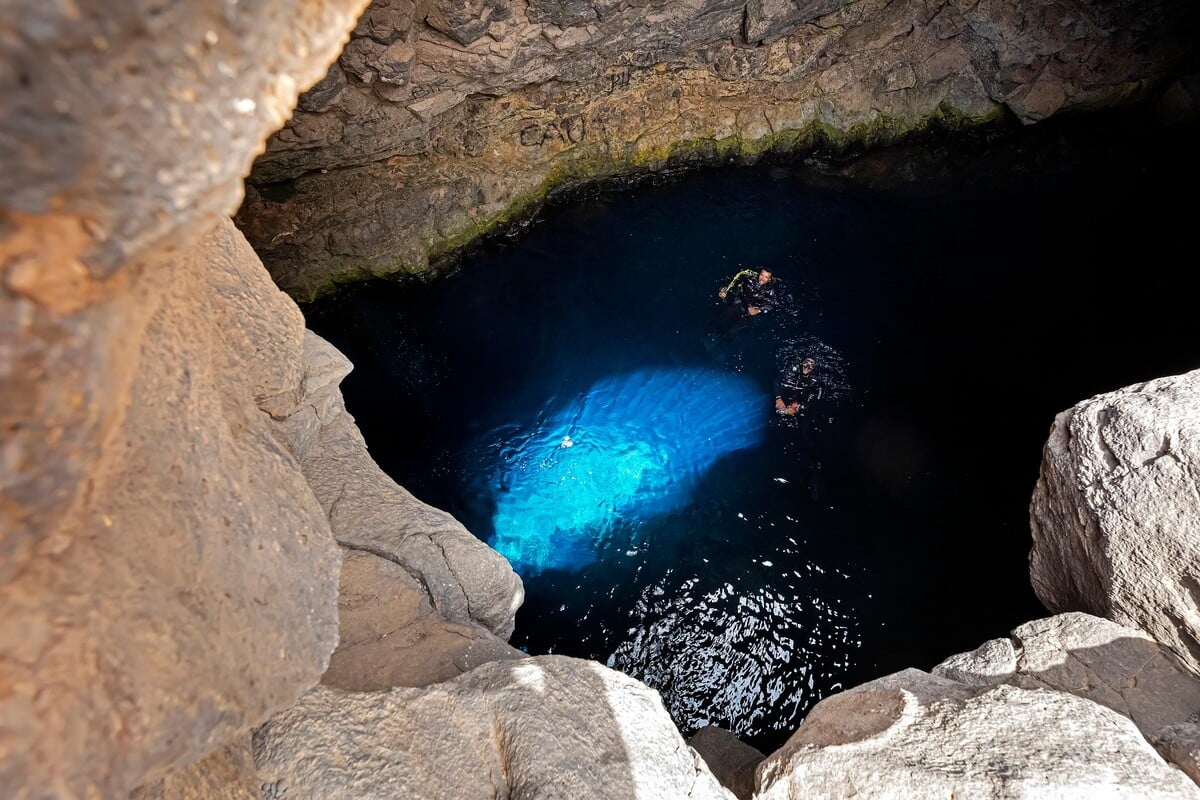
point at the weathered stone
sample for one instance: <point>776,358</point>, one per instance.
<point>465,580</point>
<point>190,588</point>
<point>655,84</point>
<point>563,13</point>
<point>325,93</point>
<point>1180,744</point>
<point>126,123</point>
<point>390,635</point>
<point>994,661</point>
<point>468,583</point>
<point>386,21</point>
<point>464,21</point>
<point>544,727</point>
<point>917,736</point>
<point>1115,512</point>
<point>731,760</point>
<point>1097,659</point>
<point>767,20</point>
<point>227,774</point>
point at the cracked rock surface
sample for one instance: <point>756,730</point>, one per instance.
<point>543,727</point>
<point>1116,510</point>
<point>443,119</point>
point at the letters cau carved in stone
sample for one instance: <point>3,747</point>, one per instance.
<point>569,130</point>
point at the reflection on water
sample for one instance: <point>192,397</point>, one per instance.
<point>748,655</point>
<point>629,449</point>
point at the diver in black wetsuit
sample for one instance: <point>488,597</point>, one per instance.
<point>797,388</point>
<point>748,294</point>
<point>753,293</point>
<point>797,391</point>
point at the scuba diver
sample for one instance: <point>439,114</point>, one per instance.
<point>753,293</point>
<point>797,387</point>
<point>748,294</point>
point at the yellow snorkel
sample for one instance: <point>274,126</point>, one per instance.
<point>738,277</point>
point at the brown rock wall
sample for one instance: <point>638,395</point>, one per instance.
<point>191,589</point>
<point>428,133</point>
<point>166,576</point>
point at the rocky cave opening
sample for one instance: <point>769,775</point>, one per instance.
<point>552,388</point>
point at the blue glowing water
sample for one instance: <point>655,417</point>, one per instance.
<point>631,447</point>
<point>748,574</point>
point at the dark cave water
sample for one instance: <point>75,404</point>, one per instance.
<point>559,394</point>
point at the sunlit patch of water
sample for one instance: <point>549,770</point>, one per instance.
<point>630,448</point>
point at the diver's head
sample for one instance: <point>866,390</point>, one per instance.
<point>764,275</point>
<point>808,364</point>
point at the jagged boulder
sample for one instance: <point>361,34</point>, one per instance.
<point>1115,512</point>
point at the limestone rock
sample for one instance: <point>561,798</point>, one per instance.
<point>913,735</point>
<point>1115,512</point>
<point>189,590</point>
<point>544,727</point>
<point>125,124</point>
<point>465,580</point>
<point>390,635</point>
<point>313,400</point>
<point>767,20</point>
<point>464,21</point>
<point>1114,665</point>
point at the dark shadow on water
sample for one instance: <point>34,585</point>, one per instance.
<point>963,311</point>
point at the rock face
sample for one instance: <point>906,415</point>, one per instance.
<point>420,599</point>
<point>124,124</point>
<point>1114,514</point>
<point>1114,665</point>
<point>228,774</point>
<point>913,735</point>
<point>544,727</point>
<point>181,487</point>
<point>443,119</point>
<point>466,581</point>
<point>389,634</point>
<point>167,578</point>
<point>191,589</point>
